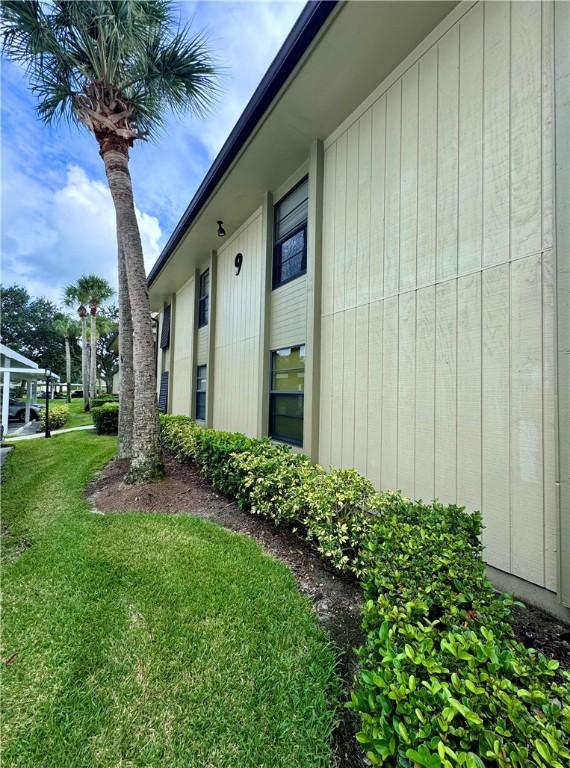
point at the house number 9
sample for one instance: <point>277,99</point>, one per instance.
<point>238,261</point>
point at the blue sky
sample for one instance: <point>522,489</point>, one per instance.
<point>57,214</point>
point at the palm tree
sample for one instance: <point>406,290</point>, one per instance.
<point>126,372</point>
<point>116,67</point>
<point>68,328</point>
<point>91,291</point>
<point>74,297</point>
<point>98,290</point>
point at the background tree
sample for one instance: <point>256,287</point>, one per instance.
<point>99,291</point>
<point>29,327</point>
<point>116,67</point>
<point>92,291</point>
<point>74,296</point>
<point>69,329</point>
<point>107,359</point>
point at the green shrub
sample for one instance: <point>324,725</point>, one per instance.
<point>57,416</point>
<point>106,419</point>
<point>271,478</point>
<point>97,402</point>
<point>442,681</point>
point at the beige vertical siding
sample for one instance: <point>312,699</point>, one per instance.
<point>237,332</point>
<point>437,371</point>
<point>183,322</point>
<point>288,322</point>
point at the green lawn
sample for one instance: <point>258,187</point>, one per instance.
<point>145,640</point>
<point>77,416</point>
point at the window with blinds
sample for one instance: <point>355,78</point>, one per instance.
<point>290,234</point>
<point>204,294</point>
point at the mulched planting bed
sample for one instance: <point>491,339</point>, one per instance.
<point>337,599</point>
<point>548,635</point>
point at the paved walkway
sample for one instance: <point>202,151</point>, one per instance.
<point>11,439</point>
<point>22,429</point>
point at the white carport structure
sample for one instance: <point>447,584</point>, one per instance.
<point>17,367</point>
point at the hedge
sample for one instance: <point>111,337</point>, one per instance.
<point>442,680</point>
<point>106,419</point>
<point>57,416</point>
<point>97,402</point>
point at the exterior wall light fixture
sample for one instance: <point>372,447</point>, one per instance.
<point>221,230</point>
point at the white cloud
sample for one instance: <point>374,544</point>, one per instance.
<point>57,214</point>
<point>54,237</point>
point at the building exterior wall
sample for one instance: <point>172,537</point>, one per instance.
<point>183,339</point>
<point>429,308</point>
<point>237,329</point>
<point>438,282</point>
<point>562,239</point>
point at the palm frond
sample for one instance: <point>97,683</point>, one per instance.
<point>94,288</point>
<point>26,32</point>
<point>70,296</point>
<point>177,73</point>
<point>124,59</point>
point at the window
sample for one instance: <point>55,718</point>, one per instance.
<point>163,393</point>
<point>165,331</point>
<point>201,377</point>
<point>203,299</point>
<point>286,397</point>
<point>290,249</point>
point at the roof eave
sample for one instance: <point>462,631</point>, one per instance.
<point>306,28</point>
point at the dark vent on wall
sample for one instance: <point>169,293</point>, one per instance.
<point>165,333</point>
<point>163,396</point>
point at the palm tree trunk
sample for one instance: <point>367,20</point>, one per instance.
<point>126,373</point>
<point>84,368</point>
<point>68,368</point>
<point>87,370</point>
<point>93,361</point>
<point>146,460</point>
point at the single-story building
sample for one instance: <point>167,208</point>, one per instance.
<point>17,369</point>
<point>376,267</point>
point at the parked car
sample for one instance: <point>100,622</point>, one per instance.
<point>77,393</point>
<point>17,410</point>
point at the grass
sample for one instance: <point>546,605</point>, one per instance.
<point>148,640</point>
<point>77,416</point>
